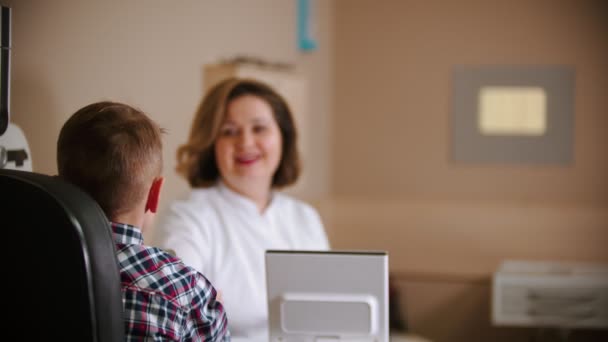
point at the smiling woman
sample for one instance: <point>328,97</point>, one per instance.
<point>242,149</point>
<point>248,149</point>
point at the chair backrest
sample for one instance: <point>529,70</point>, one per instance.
<point>59,262</point>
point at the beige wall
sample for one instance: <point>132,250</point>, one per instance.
<point>393,180</point>
<point>381,173</point>
<point>447,226</point>
<point>150,53</point>
<point>393,65</point>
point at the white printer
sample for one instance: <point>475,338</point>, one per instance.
<point>550,294</point>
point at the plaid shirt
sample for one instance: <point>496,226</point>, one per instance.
<point>164,300</point>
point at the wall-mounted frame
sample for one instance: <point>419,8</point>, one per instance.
<point>548,140</point>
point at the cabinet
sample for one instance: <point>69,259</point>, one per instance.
<point>550,294</point>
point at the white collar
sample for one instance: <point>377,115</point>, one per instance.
<point>242,201</point>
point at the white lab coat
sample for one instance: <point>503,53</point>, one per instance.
<point>222,234</point>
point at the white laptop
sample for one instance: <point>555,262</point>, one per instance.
<point>327,296</point>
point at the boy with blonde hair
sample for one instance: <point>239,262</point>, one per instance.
<point>114,153</point>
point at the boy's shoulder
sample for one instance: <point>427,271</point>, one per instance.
<point>155,270</point>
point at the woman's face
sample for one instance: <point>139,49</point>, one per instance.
<point>248,148</point>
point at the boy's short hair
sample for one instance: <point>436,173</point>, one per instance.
<point>113,152</point>
<point>196,158</point>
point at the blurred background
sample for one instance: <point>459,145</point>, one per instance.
<point>378,123</point>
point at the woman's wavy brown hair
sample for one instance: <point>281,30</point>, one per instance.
<point>196,158</point>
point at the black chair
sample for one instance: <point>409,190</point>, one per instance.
<point>60,269</point>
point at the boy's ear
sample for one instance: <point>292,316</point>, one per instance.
<point>154,195</point>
